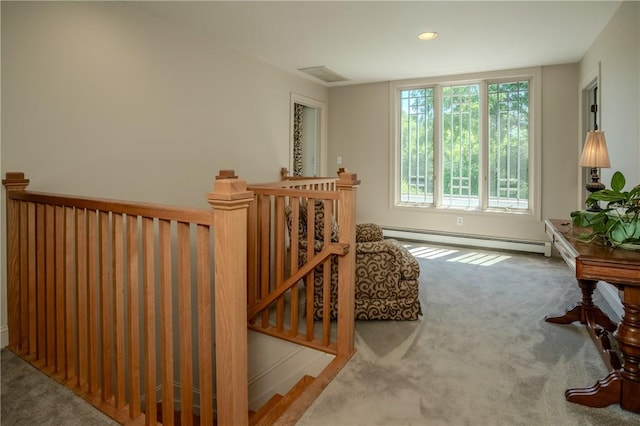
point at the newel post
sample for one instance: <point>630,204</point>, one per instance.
<point>14,181</point>
<point>347,185</point>
<point>230,201</point>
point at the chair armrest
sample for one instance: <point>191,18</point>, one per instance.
<point>368,232</point>
<point>408,265</point>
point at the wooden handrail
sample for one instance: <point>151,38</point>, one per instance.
<point>331,249</point>
<point>284,189</point>
<point>158,211</point>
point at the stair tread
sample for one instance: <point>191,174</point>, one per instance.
<point>278,404</point>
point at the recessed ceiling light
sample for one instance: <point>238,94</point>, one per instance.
<point>428,35</point>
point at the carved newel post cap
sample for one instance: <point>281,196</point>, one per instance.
<point>15,180</point>
<point>14,176</point>
<point>227,174</point>
<point>227,187</point>
<point>347,178</point>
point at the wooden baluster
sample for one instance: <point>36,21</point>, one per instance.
<point>33,281</point>
<point>60,291</point>
<point>166,322</point>
<point>279,259</point>
<point>294,246</point>
<point>311,277</point>
<point>347,186</point>
<point>326,278</point>
<point>133,296</point>
<point>184,319</point>
<point>264,248</point>
<point>253,290</point>
<point>230,201</point>
<point>117,243</point>
<point>70,288</point>
<point>41,289</point>
<point>50,288</point>
<point>148,297</point>
<point>106,307</point>
<point>25,300</point>
<point>81,297</point>
<point>14,181</point>
<point>92,300</point>
<point>205,319</point>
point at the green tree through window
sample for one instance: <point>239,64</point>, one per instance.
<point>460,145</point>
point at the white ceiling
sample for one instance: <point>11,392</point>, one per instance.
<point>367,41</point>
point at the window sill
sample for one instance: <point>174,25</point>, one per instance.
<point>467,210</point>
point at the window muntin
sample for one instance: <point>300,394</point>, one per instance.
<point>417,146</point>
<point>509,144</point>
<point>466,145</point>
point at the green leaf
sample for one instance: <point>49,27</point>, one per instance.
<point>607,195</point>
<point>634,194</point>
<point>618,181</point>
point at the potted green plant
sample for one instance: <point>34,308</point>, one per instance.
<point>618,224</point>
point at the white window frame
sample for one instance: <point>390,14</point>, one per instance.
<point>534,75</point>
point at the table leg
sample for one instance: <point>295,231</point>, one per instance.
<point>628,337</point>
<point>584,310</point>
<point>605,392</point>
<point>621,385</point>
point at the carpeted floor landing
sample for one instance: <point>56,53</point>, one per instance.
<point>30,398</point>
<point>481,354</point>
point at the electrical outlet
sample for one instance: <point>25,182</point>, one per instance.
<point>339,160</point>
<point>459,221</point>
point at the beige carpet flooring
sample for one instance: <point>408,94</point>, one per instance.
<point>481,354</point>
<point>30,398</point>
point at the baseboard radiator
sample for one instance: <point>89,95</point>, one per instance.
<point>468,240</point>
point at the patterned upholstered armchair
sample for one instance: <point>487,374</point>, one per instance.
<point>386,286</point>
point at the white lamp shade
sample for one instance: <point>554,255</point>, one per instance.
<point>594,153</point>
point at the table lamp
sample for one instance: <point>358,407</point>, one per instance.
<point>595,156</point>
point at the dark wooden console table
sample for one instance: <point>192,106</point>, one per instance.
<point>593,263</point>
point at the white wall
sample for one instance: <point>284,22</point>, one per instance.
<point>617,50</point>
<point>359,131</point>
<point>101,99</point>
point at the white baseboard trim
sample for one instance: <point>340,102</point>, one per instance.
<point>610,295</point>
<point>4,336</point>
<point>469,240</point>
<point>275,366</point>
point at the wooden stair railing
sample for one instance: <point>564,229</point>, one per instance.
<point>91,283</point>
<point>274,270</point>
<point>83,276</point>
